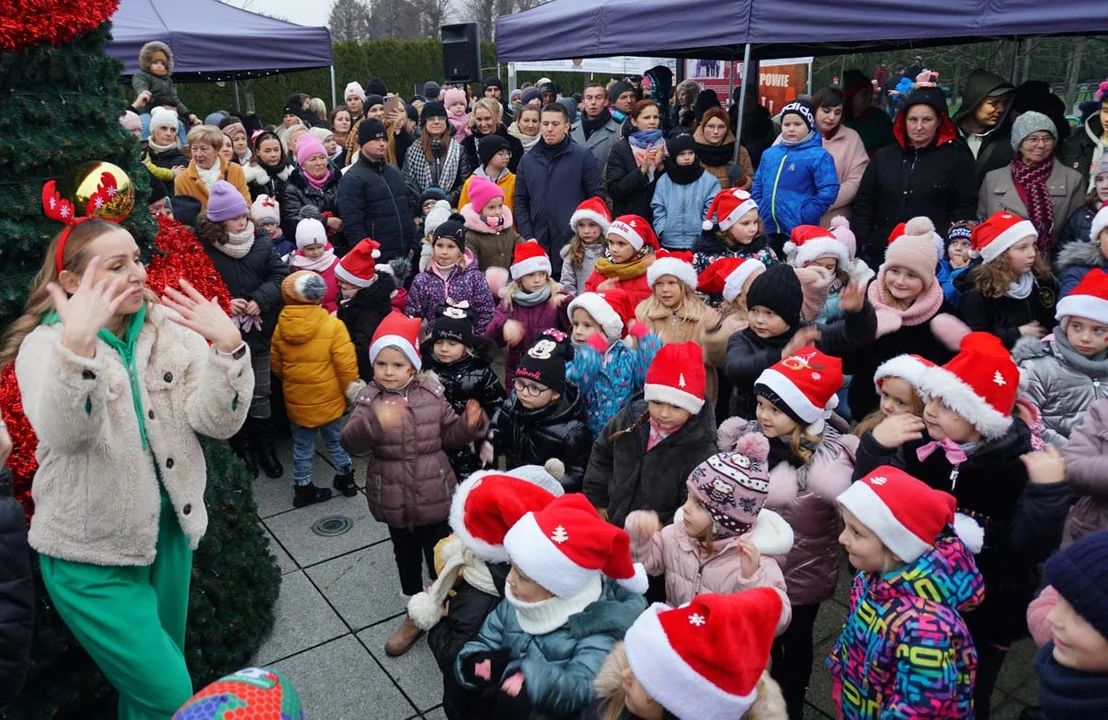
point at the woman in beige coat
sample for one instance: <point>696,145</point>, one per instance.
<point>117,386</point>
<point>1034,185</point>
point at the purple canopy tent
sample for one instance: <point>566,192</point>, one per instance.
<point>777,28</point>
<point>213,41</point>
<point>764,29</point>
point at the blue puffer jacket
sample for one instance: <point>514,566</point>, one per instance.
<point>608,381</point>
<point>795,184</point>
<point>679,210</point>
<point>559,666</point>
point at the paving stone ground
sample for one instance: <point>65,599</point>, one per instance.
<point>340,600</point>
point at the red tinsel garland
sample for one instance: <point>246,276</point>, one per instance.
<point>180,256</point>
<point>24,23</point>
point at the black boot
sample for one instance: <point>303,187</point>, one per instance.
<point>309,494</point>
<point>345,484</point>
<point>265,450</point>
<point>242,450</point>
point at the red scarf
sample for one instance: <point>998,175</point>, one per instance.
<point>1031,179</point>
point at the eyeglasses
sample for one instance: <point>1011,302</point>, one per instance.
<point>529,389</point>
<point>1040,140</point>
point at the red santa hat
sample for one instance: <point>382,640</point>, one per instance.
<point>679,264</point>
<point>566,545</point>
<point>611,309</point>
<point>995,236</point>
<point>811,242</point>
<point>400,332</point>
<point>903,512</point>
<point>529,257</point>
<point>728,276</point>
<point>677,376</point>
<point>803,386</point>
<point>980,384</point>
<point>703,660</point>
<point>909,368</point>
<point>635,230</point>
<point>484,507</point>
<point>728,207</point>
<point>359,266</point>
<point>592,209</point>
<point>1088,300</point>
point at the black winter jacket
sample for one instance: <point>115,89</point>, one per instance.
<point>1077,152</point>
<point>469,608</point>
<point>17,594</point>
<point>629,189</point>
<point>561,430</point>
<point>996,147</point>
<point>169,158</point>
<point>1022,520</point>
<point>550,183</point>
<point>255,277</point>
<point>1004,316</point>
<point>623,475</point>
<point>1078,228</point>
<point>297,193</point>
<point>902,182</point>
<point>863,362</point>
<point>468,378</point>
<point>373,202</point>
<point>748,355</point>
<point>362,314</point>
<point>514,146</point>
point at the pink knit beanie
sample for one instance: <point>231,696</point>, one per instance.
<point>840,228</point>
<point>451,96</point>
<point>482,191</point>
<point>307,146</point>
<point>915,250</point>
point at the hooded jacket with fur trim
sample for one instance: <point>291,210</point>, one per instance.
<point>904,651</point>
<point>805,498</point>
<point>96,491</point>
<point>146,81</point>
<point>902,182</point>
<point>1075,260</point>
<point>560,665</point>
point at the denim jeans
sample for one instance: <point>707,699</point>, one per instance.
<point>303,450</point>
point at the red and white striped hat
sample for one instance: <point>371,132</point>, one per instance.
<point>529,257</point>
<point>679,264</point>
<point>1088,300</point>
<point>635,230</point>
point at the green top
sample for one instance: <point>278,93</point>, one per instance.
<point>126,349</point>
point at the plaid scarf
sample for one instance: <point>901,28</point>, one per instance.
<point>1032,178</point>
<point>441,174</point>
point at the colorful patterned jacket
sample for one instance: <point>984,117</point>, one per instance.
<point>904,651</point>
<point>608,381</point>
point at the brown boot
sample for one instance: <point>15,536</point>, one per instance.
<point>404,637</point>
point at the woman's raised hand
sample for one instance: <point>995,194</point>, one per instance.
<point>88,310</point>
<point>203,316</point>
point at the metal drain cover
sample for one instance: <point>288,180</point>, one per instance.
<point>332,525</point>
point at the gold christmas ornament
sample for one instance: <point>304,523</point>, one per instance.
<point>99,189</point>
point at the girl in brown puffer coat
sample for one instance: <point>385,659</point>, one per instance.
<point>404,419</point>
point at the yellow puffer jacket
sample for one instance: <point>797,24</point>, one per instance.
<point>312,354</point>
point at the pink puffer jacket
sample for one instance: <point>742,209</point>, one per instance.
<point>805,498</point>
<point>688,573</point>
<point>409,481</point>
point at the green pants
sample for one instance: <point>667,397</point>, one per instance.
<point>131,620</point>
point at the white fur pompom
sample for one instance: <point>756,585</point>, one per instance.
<point>790,248</point>
<point>376,253</point>
<point>556,468</point>
<point>424,611</point>
<point>970,532</point>
<point>707,225</point>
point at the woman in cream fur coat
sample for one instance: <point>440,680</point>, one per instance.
<point>117,386</point>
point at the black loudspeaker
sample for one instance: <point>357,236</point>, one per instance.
<point>461,53</point>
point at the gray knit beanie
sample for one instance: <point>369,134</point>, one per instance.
<point>1031,122</point>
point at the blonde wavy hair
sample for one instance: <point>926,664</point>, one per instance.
<point>992,279</point>
<point>39,302</point>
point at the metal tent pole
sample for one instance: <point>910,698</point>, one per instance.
<point>238,103</point>
<point>742,100</point>
<point>333,94</point>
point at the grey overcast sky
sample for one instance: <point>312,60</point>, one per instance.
<point>301,12</point>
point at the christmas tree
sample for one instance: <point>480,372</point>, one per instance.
<point>61,108</point>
